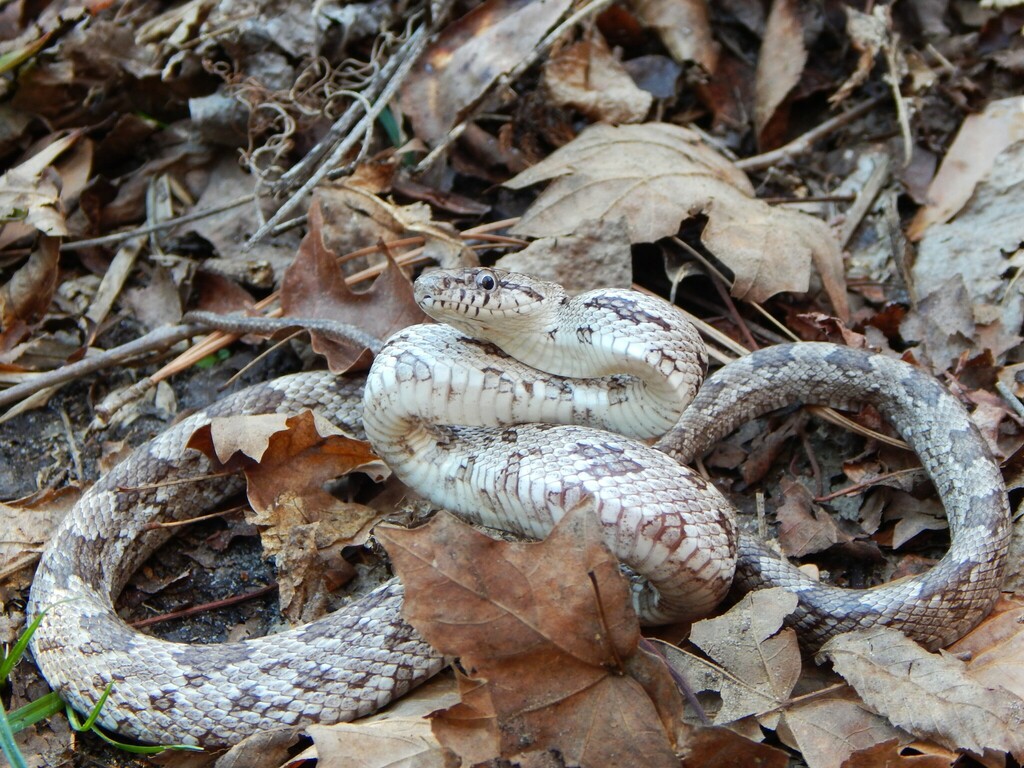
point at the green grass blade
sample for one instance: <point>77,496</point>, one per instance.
<point>8,662</point>
<point>34,711</point>
<point>7,745</point>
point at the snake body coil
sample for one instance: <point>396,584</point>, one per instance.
<point>487,432</point>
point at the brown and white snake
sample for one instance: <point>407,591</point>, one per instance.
<point>468,414</point>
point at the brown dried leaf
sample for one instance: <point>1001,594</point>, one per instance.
<point>828,729</point>
<point>25,196</point>
<point>286,464</point>
<point>655,176</point>
<point>25,298</point>
<point>979,142</point>
<point>804,527</point>
<point>722,748</point>
<point>753,666</point>
<point>353,216</point>
<point>913,516</point>
<point>779,65</point>
<point>468,57</point>
<point>892,754</point>
<point>587,77</point>
<point>980,247</point>
<point>683,27</point>
<point>390,743</point>
<point>548,633</point>
<point>995,648</point>
<point>932,695</point>
<point>602,246</point>
<point>27,525</point>
<point>314,287</point>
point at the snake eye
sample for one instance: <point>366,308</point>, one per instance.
<point>486,281</point>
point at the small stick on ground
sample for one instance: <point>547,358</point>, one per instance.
<point>216,604</point>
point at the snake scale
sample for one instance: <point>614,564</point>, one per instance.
<point>506,414</point>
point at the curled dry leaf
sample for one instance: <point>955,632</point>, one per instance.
<point>684,28</point>
<point>287,460</point>
<point>467,59</point>
<point>26,196</point>
<point>656,176</point>
<point>722,748</point>
<point>314,287</point>
<point>994,650</point>
<point>972,156</point>
<point>548,637</point>
<point>779,65</point>
<point>932,695</point>
<point>753,667</point>
<point>25,298</point>
<point>27,526</point>
<point>804,527</point>
<point>587,77</point>
<point>893,754</point>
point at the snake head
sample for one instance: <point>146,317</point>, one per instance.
<point>488,304</point>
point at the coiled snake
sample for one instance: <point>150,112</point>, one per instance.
<point>477,415</point>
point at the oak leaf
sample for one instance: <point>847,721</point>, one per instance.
<point>932,695</point>
<point>656,176</point>
<point>995,648</point>
<point>753,665</point>
<point>286,461</point>
<point>549,641</point>
<point>315,287</point>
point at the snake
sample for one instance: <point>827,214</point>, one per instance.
<point>519,404</point>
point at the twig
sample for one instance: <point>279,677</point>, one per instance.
<point>240,325</point>
<point>1011,399</point>
<point>865,199</point>
<point>805,142</point>
<point>153,526</point>
<point>158,339</point>
<point>410,54</point>
<point>337,132</point>
<point>865,484</point>
<point>213,606</point>
<point>118,237</point>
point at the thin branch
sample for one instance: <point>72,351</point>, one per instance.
<point>205,607</point>
<point>119,237</point>
<point>804,143</point>
<point>160,339</point>
<point>410,54</point>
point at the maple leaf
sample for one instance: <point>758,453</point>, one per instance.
<point>286,461</point>
<point>753,665</point>
<point>547,635</point>
<point>655,176</point>
<point>315,287</point>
